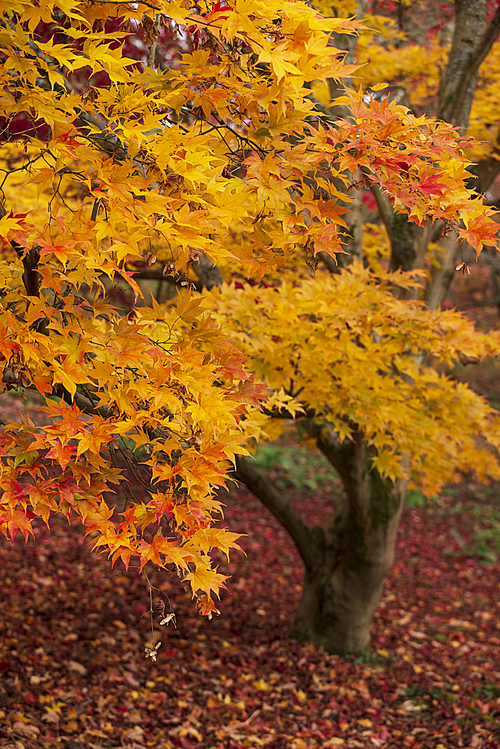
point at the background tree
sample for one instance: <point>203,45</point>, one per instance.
<point>439,61</point>
<point>348,356</point>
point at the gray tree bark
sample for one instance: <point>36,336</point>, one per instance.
<point>471,42</point>
<point>469,47</point>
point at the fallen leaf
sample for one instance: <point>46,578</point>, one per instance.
<point>79,668</point>
<point>27,730</point>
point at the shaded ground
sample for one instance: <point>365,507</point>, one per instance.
<point>73,632</point>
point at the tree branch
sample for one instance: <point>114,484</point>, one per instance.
<point>271,498</point>
<point>207,272</point>
<point>335,454</point>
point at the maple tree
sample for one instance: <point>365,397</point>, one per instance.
<point>354,380</point>
<point>117,162</point>
<point>354,366</point>
<point>120,156</point>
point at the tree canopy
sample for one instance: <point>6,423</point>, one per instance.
<point>343,349</point>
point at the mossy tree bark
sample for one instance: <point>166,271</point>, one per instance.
<point>347,558</point>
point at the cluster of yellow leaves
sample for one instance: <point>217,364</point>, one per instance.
<point>338,8</point>
<point>144,162</point>
<point>376,246</point>
<point>353,354</point>
<point>254,90</point>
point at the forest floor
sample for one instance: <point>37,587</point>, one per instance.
<point>73,631</point>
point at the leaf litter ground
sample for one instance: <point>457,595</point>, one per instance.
<point>73,632</point>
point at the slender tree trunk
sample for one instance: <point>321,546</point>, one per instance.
<point>469,46</point>
<point>441,277</point>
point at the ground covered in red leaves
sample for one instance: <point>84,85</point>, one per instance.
<point>73,634</point>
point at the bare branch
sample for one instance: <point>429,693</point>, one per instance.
<point>207,272</point>
<point>333,451</point>
<point>154,44</point>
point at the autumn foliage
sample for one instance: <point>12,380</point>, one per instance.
<point>112,163</point>
<point>343,349</point>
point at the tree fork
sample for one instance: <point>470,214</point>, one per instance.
<point>340,596</point>
<point>347,559</point>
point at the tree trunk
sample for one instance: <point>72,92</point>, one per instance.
<point>338,604</point>
<point>469,47</point>
<point>346,560</point>
<point>441,277</point>
<point>340,596</point>
<point>342,591</point>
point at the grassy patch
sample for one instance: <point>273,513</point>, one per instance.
<point>295,466</point>
<point>491,691</point>
<point>484,541</point>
